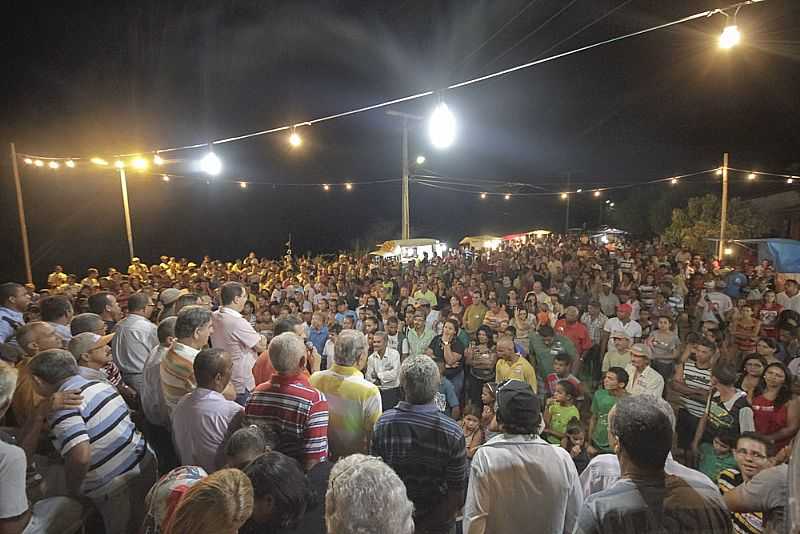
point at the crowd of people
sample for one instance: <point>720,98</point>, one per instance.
<point>575,386</point>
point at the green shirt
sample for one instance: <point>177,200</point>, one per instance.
<point>602,402</point>
<point>418,344</point>
<point>542,355</point>
<point>560,416</point>
<point>711,464</point>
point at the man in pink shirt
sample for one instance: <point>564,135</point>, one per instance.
<point>236,336</point>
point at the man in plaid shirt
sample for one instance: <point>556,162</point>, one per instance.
<point>290,405</point>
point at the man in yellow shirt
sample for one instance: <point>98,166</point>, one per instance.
<point>512,366</point>
<point>474,314</point>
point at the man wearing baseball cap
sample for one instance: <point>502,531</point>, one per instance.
<point>92,353</point>
<point>644,380</point>
<point>510,470</point>
<point>624,323</point>
<point>619,351</point>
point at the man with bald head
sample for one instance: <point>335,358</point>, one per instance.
<point>32,338</point>
<point>512,366</point>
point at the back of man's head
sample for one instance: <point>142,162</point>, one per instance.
<point>229,291</point>
<point>349,347</point>
<point>207,365</point>
<point>86,322</point>
<point>725,374</point>
<point>53,366</point>
<point>190,319</point>
<point>419,378</point>
<point>643,430</point>
<point>138,301</point>
<point>55,308</point>
<point>98,302</point>
<point>286,325</point>
<point>166,329</point>
<point>286,351</point>
<point>8,290</point>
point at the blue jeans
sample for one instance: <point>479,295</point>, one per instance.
<point>458,384</point>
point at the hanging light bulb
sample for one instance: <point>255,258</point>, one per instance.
<point>420,159</point>
<point>69,163</point>
<point>719,171</point>
<point>751,176</point>
<point>442,126</point>
<point>211,164</point>
<point>348,186</point>
<point>564,196</point>
<point>99,161</point>
<point>294,139</point>
<point>165,178</point>
<point>790,180</point>
<point>596,193</point>
<point>483,196</point>
<point>53,165</point>
<point>507,196</point>
<point>28,161</point>
<point>119,164</point>
<point>38,163</point>
<point>158,160</point>
<point>243,185</point>
<point>579,190</point>
<point>140,164</point>
<point>730,37</point>
<point>326,187</point>
<point>674,181</point>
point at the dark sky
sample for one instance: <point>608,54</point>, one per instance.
<point>91,78</point>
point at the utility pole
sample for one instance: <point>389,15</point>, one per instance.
<point>569,199</point>
<point>124,185</point>
<point>406,219</point>
<point>23,226</point>
<point>724,215</point>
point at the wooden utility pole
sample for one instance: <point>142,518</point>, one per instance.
<point>724,215</point>
<point>23,226</point>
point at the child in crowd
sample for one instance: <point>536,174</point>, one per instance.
<point>474,435</point>
<point>615,383</point>
<point>562,364</point>
<point>488,398</point>
<point>712,465</point>
<point>560,410</point>
<point>327,351</point>
<point>446,398</point>
<point>575,443</point>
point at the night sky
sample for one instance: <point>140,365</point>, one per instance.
<point>98,78</point>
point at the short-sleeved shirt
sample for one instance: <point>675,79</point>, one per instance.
<point>177,374</point>
<point>671,504</point>
<point>615,359</point>
<point>520,370</point>
<point>697,378</point>
<point>560,416</point>
<point>632,328</point>
<point>236,336</point>
<point>768,492</point>
<point>437,346</point>
<point>743,522</point>
<point>102,420</point>
<point>543,355</point>
<point>419,343</point>
<point>13,467</point>
<point>297,412</point>
<point>602,402</point>
<point>354,405</point>
<point>199,424</point>
<point>553,379</point>
<point>427,450</point>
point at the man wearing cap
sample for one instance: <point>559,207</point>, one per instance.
<point>167,300</point>
<point>517,480</point>
<point>644,380</point>
<point>624,323</point>
<point>619,353</point>
<point>92,353</point>
<point>236,336</point>
<point>135,337</point>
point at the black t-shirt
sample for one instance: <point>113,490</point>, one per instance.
<point>438,354</point>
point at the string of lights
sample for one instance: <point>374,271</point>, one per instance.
<point>729,38</point>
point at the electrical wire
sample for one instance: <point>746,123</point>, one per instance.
<point>423,94</point>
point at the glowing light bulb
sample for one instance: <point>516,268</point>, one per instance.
<point>579,190</point>
<point>730,37</point>
<point>673,181</point>
<point>295,140</point>
<point>483,196</point>
<point>719,171</point>
<point>751,176</point>
<point>158,160</point>
<point>99,161</point>
<point>611,205</point>
<point>119,164</point>
<point>38,163</point>
<point>53,165</point>
<point>28,161</point>
<point>243,185</point>
<point>165,178</point>
<point>596,193</point>
<point>420,160</point>
<point>326,187</point>
<point>140,164</point>
<point>211,164</point>
<point>727,251</point>
<point>69,163</point>
<point>442,126</point>
<point>348,186</point>
<point>790,180</point>
<point>507,196</point>
<point>564,196</point>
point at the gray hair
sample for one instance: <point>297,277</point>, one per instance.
<point>350,346</point>
<point>358,483</point>
<point>667,410</point>
<point>190,319</point>
<point>85,322</point>
<point>285,352</point>
<point>53,366</point>
<point>419,378</point>
<point>380,333</point>
<point>643,430</point>
<point>8,383</point>
<point>166,329</point>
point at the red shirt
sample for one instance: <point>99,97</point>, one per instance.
<point>297,412</point>
<point>577,333</point>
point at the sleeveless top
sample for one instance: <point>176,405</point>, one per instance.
<point>769,419</point>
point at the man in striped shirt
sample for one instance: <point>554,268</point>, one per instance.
<point>752,457</point>
<point>692,382</point>
<point>105,457</point>
<point>289,405</point>
<point>425,447</point>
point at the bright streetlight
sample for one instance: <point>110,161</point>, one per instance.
<point>442,126</point>
<point>211,164</point>
<point>730,37</point>
<point>420,160</point>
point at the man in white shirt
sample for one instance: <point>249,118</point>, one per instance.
<point>201,419</point>
<point>714,302</point>
<point>395,340</point>
<point>644,380</point>
<point>135,338</point>
<point>622,322</point>
<point>509,471</point>
<point>236,336</point>
<point>383,370</point>
<point>789,298</point>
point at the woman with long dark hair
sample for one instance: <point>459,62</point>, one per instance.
<point>481,360</point>
<point>776,414</point>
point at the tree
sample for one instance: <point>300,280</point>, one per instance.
<point>700,220</point>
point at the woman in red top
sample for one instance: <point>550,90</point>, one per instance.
<point>776,415</point>
<point>768,313</point>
